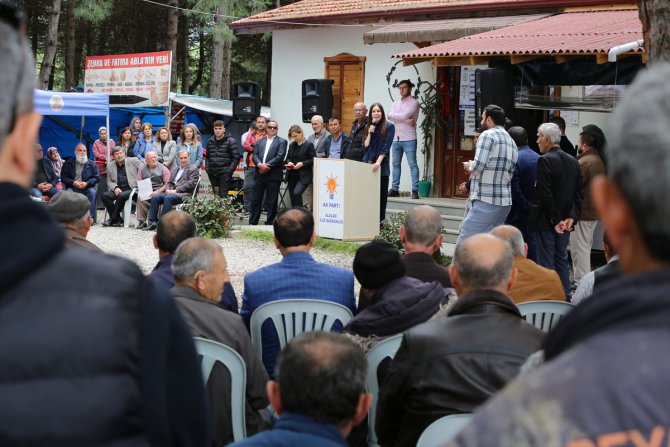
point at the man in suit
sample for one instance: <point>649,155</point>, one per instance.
<point>121,179</point>
<point>523,187</point>
<point>183,180</point>
<point>79,174</point>
<point>268,157</point>
<point>559,193</point>
<point>298,275</point>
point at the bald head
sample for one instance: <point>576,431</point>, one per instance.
<point>482,261</point>
<point>513,237</point>
<point>360,111</point>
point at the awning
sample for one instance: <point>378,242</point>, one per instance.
<point>71,104</point>
<point>442,30</point>
<point>218,106</point>
<point>563,37</point>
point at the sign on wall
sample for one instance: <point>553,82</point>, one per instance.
<point>142,75</point>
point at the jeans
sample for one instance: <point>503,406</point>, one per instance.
<point>91,194</point>
<point>481,218</point>
<point>552,253</point>
<point>36,192</point>
<point>167,200</point>
<point>409,148</point>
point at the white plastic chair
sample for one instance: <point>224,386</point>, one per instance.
<point>212,352</point>
<point>385,348</point>
<point>195,193</point>
<point>544,315</point>
<point>443,430</point>
<point>292,317</point>
<point>128,208</point>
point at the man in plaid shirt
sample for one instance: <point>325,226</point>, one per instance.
<point>490,175</point>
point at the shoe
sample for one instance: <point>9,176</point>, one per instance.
<point>108,223</point>
<point>415,194</point>
<point>393,193</point>
<point>142,225</point>
<point>152,226</point>
<point>117,223</point>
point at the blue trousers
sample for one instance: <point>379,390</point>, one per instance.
<point>482,217</point>
<point>397,149</point>
<point>167,200</point>
<point>91,194</point>
<point>552,253</point>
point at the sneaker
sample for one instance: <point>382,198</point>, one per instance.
<point>142,225</point>
<point>415,194</point>
<point>393,193</point>
<point>152,226</point>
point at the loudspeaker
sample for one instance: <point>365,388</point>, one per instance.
<point>494,86</point>
<point>317,99</point>
<point>246,101</point>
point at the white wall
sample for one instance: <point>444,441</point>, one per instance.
<point>298,55</point>
<point>600,119</point>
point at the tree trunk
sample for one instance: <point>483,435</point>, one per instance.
<point>655,18</point>
<point>171,40</point>
<point>70,27</point>
<point>80,38</point>
<point>52,45</point>
<point>201,62</point>
<point>225,78</point>
<point>218,43</point>
<point>185,60</point>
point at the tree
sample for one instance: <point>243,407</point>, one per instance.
<point>655,18</point>
<point>52,45</point>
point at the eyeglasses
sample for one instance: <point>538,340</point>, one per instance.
<point>270,127</point>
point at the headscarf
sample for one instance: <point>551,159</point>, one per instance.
<point>57,164</point>
<point>136,133</point>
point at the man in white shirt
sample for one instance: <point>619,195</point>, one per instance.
<point>269,158</point>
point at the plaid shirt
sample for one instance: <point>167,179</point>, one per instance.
<point>493,168</point>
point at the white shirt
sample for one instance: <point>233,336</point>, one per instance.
<point>267,148</point>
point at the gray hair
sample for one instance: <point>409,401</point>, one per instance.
<point>192,256</point>
<point>639,128</point>
<point>513,236</point>
<point>17,81</point>
<point>182,149</point>
<point>318,118</point>
<point>483,269</point>
<point>551,131</point>
<point>422,225</point>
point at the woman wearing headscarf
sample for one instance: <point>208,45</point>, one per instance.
<point>135,128</point>
<point>56,161</point>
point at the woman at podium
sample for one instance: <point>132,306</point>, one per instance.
<point>299,161</point>
<point>378,140</point>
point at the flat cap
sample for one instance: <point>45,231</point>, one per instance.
<point>68,206</point>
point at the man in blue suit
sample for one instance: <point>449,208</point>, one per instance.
<point>523,188</point>
<point>298,275</point>
<point>269,158</point>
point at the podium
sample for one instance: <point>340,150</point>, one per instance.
<point>346,199</point>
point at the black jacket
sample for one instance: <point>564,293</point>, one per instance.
<point>304,153</point>
<point>223,155</point>
<point>423,267</point>
<point>44,165</point>
<point>91,353</point>
<point>452,365</point>
<point>356,148</point>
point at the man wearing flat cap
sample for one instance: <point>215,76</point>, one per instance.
<point>71,210</point>
<point>404,113</point>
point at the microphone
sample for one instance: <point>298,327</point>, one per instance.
<point>374,122</point>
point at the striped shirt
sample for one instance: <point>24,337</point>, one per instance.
<point>493,167</point>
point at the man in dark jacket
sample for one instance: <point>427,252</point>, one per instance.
<point>79,174</point>
<point>606,380</point>
<point>356,148</point>
<point>452,365</point>
<point>44,183</point>
<point>105,359</point>
<point>223,156</point>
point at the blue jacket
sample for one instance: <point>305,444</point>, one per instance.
<point>293,430</point>
<point>379,147</point>
<point>142,146</point>
<point>298,275</point>
<point>89,174</point>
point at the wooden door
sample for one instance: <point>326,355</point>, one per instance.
<point>348,72</point>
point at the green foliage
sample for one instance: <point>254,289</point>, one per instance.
<point>213,215</point>
<point>94,11</point>
<point>330,245</point>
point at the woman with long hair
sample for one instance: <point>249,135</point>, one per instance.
<point>125,140</point>
<point>165,147</point>
<point>145,142</point>
<point>299,161</point>
<point>379,137</point>
<point>135,127</point>
<point>188,141</point>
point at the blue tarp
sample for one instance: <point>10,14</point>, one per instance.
<point>71,104</point>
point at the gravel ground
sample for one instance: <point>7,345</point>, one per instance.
<point>243,255</point>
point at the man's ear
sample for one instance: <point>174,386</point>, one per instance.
<point>401,233</point>
<point>453,276</point>
<point>512,278</point>
<point>613,209</point>
<point>364,404</point>
<point>438,243</point>
<point>312,239</point>
<point>17,156</point>
<point>155,239</point>
<point>277,244</point>
<point>525,249</point>
<point>272,389</point>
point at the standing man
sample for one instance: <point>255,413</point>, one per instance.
<point>268,158</point>
<point>565,144</point>
<point>320,137</point>
<point>100,156</point>
<point>590,166</point>
<point>490,175</point>
<point>121,179</point>
<point>558,193</point>
<point>79,174</point>
<point>357,136</point>
<point>338,142</point>
<point>222,159</point>
<point>250,171</point>
<point>404,113</point>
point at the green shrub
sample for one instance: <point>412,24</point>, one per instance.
<point>213,215</point>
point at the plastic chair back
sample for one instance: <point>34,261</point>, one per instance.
<point>443,430</point>
<point>544,315</point>
<point>127,208</point>
<point>294,316</point>
<point>385,348</point>
<point>212,352</point>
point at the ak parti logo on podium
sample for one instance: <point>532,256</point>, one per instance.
<point>331,186</point>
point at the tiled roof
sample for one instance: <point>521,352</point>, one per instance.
<point>324,11</point>
<point>563,34</point>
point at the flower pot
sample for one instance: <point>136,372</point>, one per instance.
<point>425,187</point>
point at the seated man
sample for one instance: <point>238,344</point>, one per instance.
<point>200,270</point>
<point>319,393</point>
<point>602,276</point>
<point>533,282</point>
<point>44,183</point>
<point>453,364</point>
<point>172,230</point>
<point>298,275</point>
<point>160,177</point>
<point>183,180</point>
<point>121,179</point>
<point>79,174</point>
<point>71,210</point>
<point>421,237</point>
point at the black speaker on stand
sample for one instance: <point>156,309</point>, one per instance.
<point>246,101</point>
<point>494,86</point>
<point>317,99</point>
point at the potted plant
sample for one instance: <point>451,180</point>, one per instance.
<point>429,100</point>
